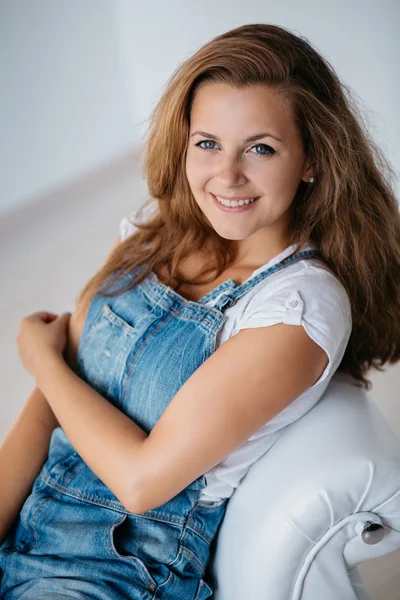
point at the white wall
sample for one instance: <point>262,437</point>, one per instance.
<point>64,107</point>
<point>79,78</point>
<point>359,39</point>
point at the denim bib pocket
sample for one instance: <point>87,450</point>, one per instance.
<point>110,339</point>
<point>103,350</point>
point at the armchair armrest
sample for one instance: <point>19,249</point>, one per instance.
<point>324,498</point>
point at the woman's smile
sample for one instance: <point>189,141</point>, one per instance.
<point>224,204</point>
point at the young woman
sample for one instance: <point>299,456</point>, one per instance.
<point>268,258</point>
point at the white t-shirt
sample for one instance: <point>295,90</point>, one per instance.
<point>323,309</point>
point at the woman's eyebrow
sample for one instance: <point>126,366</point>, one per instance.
<point>252,138</point>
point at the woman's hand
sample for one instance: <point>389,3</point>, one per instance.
<point>42,336</point>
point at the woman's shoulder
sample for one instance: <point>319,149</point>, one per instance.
<point>319,288</point>
<point>305,293</point>
<point>304,290</point>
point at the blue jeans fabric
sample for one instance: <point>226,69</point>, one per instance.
<point>72,537</point>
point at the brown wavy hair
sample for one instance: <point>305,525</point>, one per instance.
<point>350,212</point>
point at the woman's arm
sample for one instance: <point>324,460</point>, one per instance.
<point>22,455</point>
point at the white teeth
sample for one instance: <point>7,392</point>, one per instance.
<point>234,202</point>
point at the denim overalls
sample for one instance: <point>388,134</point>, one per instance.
<point>72,537</point>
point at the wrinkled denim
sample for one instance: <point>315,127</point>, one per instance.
<point>72,537</point>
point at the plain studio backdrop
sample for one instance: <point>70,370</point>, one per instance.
<point>78,82</point>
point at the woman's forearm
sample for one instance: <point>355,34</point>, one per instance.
<point>22,455</point>
<point>107,440</point>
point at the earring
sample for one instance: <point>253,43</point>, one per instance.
<point>311,180</point>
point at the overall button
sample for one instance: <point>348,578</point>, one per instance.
<point>227,301</point>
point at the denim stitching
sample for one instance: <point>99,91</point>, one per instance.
<point>151,289</point>
<point>200,532</point>
<point>153,295</point>
<point>189,525</point>
<point>31,522</point>
<point>115,319</point>
<point>89,336</point>
<point>237,292</point>
<point>193,558</point>
<point>133,359</point>
<point>166,582</point>
<point>152,515</point>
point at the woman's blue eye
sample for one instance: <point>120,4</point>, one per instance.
<point>270,151</point>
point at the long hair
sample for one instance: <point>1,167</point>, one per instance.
<point>350,212</point>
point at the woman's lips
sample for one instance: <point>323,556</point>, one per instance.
<point>234,208</point>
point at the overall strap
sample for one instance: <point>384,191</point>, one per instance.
<point>226,300</point>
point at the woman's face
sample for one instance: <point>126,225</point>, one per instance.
<point>220,161</point>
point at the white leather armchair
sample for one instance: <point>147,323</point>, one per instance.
<point>323,499</point>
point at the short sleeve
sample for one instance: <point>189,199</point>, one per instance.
<point>126,228</point>
<point>314,299</point>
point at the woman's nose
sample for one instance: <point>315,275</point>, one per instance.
<point>230,173</point>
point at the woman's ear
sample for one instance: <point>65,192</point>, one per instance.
<point>309,172</point>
